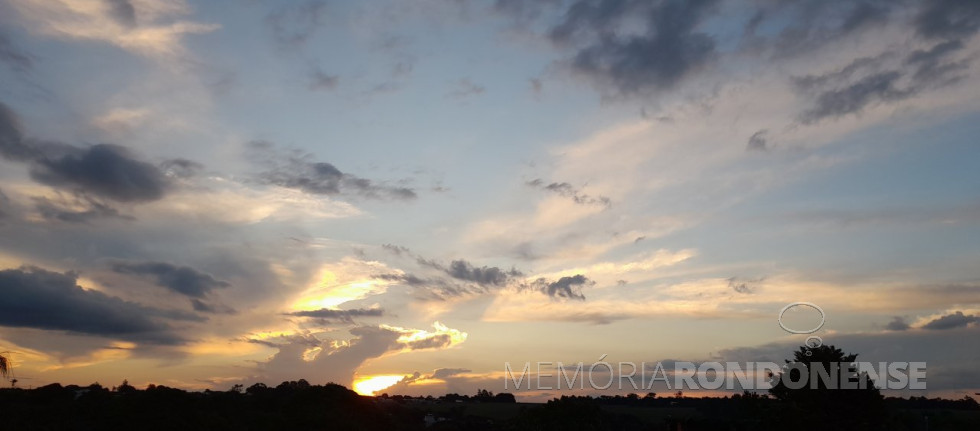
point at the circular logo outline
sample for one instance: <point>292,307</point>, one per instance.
<point>823,317</point>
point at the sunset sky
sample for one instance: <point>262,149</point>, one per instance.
<point>411,193</point>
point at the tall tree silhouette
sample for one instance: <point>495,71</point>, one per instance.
<point>818,405</point>
<point>4,366</point>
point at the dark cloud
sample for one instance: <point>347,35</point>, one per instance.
<point>103,170</point>
<point>434,288</point>
<point>951,321</point>
<point>465,271</point>
<point>803,26</point>
<point>338,315</point>
<point>294,170</point>
<point>858,65</point>
<point>13,56</point>
<point>437,341</point>
<point>4,203</point>
<point>205,307</point>
<point>898,323</point>
<point>948,19</point>
<point>320,80</point>
<point>442,373</point>
<point>569,191</point>
<point>123,12</point>
<point>464,278</point>
<point>181,279</point>
<point>525,10</point>
<point>564,288</point>
<point>879,87</point>
<point>933,69</point>
<point>35,298</point>
<point>12,145</point>
<point>409,279</point>
<point>285,340</point>
<point>759,141</point>
<point>668,48</point>
<point>484,276</point>
<point>294,24</point>
<point>867,81</point>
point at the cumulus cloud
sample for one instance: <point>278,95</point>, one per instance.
<point>181,279</point>
<point>295,170</point>
<point>36,298</point>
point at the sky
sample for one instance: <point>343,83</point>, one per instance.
<point>403,196</point>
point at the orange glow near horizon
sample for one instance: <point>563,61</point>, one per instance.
<point>370,385</point>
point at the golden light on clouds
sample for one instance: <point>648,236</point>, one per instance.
<point>336,283</point>
<point>443,336</point>
<point>371,384</point>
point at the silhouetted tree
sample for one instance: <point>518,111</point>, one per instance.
<point>817,405</point>
<point>4,366</point>
<point>504,397</point>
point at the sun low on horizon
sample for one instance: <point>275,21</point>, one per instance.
<point>456,196</point>
<point>374,384</point>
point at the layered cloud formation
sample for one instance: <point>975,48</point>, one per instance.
<point>289,191</point>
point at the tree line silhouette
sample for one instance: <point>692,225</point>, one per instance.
<point>299,405</point>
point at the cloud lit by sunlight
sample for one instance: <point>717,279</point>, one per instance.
<point>442,337</point>
<point>371,384</point>
<point>348,280</point>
